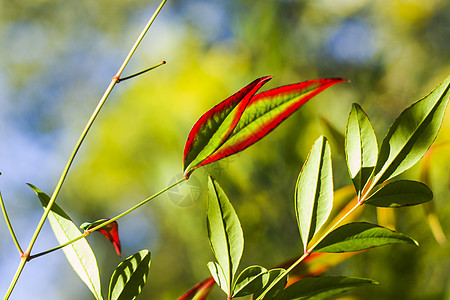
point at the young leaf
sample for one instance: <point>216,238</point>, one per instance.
<point>400,193</point>
<point>130,276</point>
<point>214,127</point>
<point>412,133</point>
<point>321,287</point>
<point>360,147</point>
<point>200,291</point>
<point>110,231</point>
<point>270,277</point>
<point>314,191</point>
<point>360,236</point>
<point>249,281</point>
<point>79,254</point>
<point>224,232</point>
<point>264,112</point>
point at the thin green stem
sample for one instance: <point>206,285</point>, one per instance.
<point>114,81</point>
<point>308,252</point>
<point>88,232</point>
<point>8,223</point>
<point>141,72</point>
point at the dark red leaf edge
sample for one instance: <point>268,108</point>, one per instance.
<point>267,95</point>
<point>242,97</point>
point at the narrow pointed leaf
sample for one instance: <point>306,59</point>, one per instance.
<point>322,287</point>
<point>215,126</point>
<point>79,254</point>
<point>360,236</point>
<point>412,133</point>
<point>200,291</point>
<point>401,193</point>
<point>130,276</point>
<point>270,277</point>
<point>110,231</point>
<point>219,277</point>
<point>314,191</point>
<point>266,111</point>
<point>224,231</point>
<point>249,281</point>
<point>360,147</point>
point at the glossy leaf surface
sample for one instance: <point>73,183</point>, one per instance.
<point>79,254</point>
<point>130,276</point>
<point>361,147</point>
<point>322,287</point>
<point>264,112</point>
<point>360,236</point>
<point>401,193</point>
<point>215,126</point>
<point>110,231</point>
<point>250,280</point>
<point>314,191</point>
<point>224,232</point>
<point>412,133</point>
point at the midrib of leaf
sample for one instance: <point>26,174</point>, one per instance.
<point>78,254</point>
<point>419,128</point>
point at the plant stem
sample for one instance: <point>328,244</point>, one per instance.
<point>141,72</point>
<point>89,231</point>
<point>8,223</point>
<point>114,81</point>
<point>308,252</point>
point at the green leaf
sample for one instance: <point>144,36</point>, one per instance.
<point>322,287</point>
<point>360,236</point>
<point>219,277</point>
<point>270,277</point>
<point>400,193</point>
<point>360,147</point>
<point>79,254</point>
<point>130,276</point>
<point>412,133</point>
<point>224,232</point>
<point>250,280</point>
<point>314,191</point>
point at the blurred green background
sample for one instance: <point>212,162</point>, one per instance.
<point>57,57</point>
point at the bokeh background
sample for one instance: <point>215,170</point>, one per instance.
<point>57,57</point>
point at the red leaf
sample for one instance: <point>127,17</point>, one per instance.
<point>201,290</point>
<point>244,118</point>
<point>110,231</point>
<point>240,140</point>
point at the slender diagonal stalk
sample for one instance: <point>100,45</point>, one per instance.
<point>141,72</point>
<point>89,231</point>
<point>8,223</point>
<point>308,252</point>
<point>114,81</point>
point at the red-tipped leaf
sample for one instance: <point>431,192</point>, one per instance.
<point>110,231</point>
<point>200,290</point>
<point>214,127</point>
<point>263,113</point>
